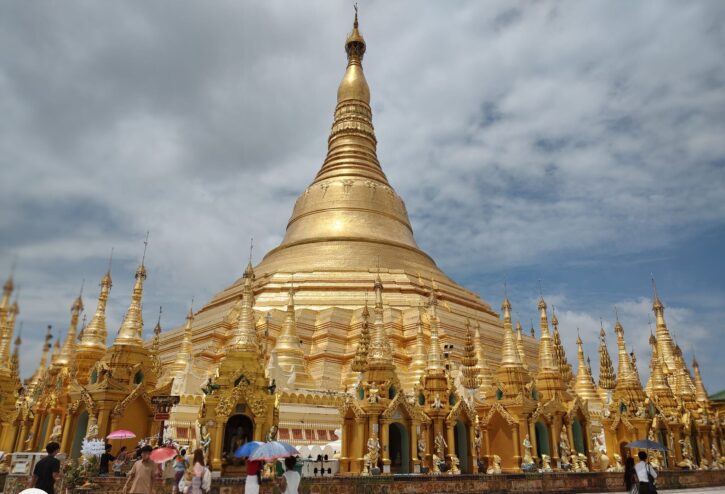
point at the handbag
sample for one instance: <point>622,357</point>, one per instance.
<point>651,479</point>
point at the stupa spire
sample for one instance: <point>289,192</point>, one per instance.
<point>95,334</point>
<point>245,334</point>
<point>484,374</point>
<point>665,344</point>
<point>628,384</point>
<point>360,361</point>
<point>8,288</point>
<point>584,385</point>
<point>700,393</point>
<point>47,345</point>
<point>547,358</point>
<point>520,344</point>
<point>509,352</point>
<point>561,361</point>
<point>185,355</point>
<point>131,330</point>
<point>418,358</point>
<point>380,352</point>
<point>657,386</point>
<point>435,364</point>
<point>607,378</point>
<point>290,355</point>
<point>469,364</point>
<point>7,325</point>
<point>69,347</point>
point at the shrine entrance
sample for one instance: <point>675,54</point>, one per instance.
<point>239,430</point>
<point>399,445</point>
<point>461,436</point>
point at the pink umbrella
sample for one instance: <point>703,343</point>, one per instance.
<point>160,455</point>
<point>121,434</point>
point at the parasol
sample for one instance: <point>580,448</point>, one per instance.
<point>646,444</point>
<point>121,434</point>
<point>160,455</point>
<point>273,450</point>
<point>247,449</point>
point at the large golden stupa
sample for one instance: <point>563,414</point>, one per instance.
<point>345,228</point>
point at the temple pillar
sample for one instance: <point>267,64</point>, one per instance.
<point>517,444</point>
<point>49,428</point>
<point>216,445</point>
<point>532,438</point>
<point>8,436</point>
<point>22,436</point>
<point>104,421</point>
<point>414,461</point>
<point>34,432</point>
<point>472,448</point>
<point>677,435</point>
<point>555,430</point>
<point>451,440</point>
<point>65,443</point>
<point>487,442</point>
<point>357,453</point>
<point>384,440</point>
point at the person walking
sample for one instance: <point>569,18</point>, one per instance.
<point>141,476</point>
<point>251,484</point>
<point>289,482</point>
<point>630,477</point>
<point>120,461</point>
<point>47,470</point>
<point>179,469</point>
<point>106,459</point>
<point>645,472</point>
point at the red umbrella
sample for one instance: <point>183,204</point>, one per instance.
<point>121,434</point>
<point>160,455</point>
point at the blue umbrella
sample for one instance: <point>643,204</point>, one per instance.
<point>247,449</point>
<point>646,444</point>
<point>273,450</point>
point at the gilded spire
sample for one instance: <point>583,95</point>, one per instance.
<point>520,344</point>
<point>700,394</point>
<point>8,288</point>
<point>68,351</point>
<point>7,324</point>
<point>131,330</point>
<point>245,335</point>
<point>96,334</point>
<point>607,378</point>
<point>628,383</point>
<point>40,371</point>
<point>509,352</point>
<point>352,143</point>
<point>435,364</point>
<point>380,352</point>
<point>469,367</point>
<point>664,340</point>
<point>584,385</point>
<point>658,388</point>
<point>185,356</point>
<point>360,361</point>
<point>290,355</point>
<point>15,358</point>
<point>562,363</point>
<point>547,358</point>
<point>418,358</point>
<point>155,346</point>
<point>56,353</point>
<point>485,377</point>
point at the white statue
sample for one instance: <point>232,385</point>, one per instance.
<point>57,431</point>
<point>437,402</point>
<point>545,464</point>
<point>92,431</point>
<point>495,468</point>
<point>374,395</point>
<point>528,459</point>
<point>564,449</point>
<point>454,470</point>
<point>421,446</point>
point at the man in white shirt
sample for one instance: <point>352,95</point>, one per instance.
<point>642,469</point>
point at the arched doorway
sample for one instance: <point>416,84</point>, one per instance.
<point>461,437</point>
<point>239,430</point>
<point>501,442</point>
<point>542,439</point>
<point>80,433</point>
<point>577,431</point>
<point>399,447</point>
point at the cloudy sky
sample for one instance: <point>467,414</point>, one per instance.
<point>576,143</point>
